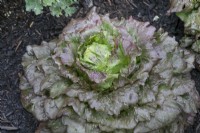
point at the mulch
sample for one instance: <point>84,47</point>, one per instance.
<point>19,28</point>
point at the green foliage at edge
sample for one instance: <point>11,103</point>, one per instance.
<point>57,7</point>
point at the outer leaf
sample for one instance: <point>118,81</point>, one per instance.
<point>179,5</point>
<point>34,5</point>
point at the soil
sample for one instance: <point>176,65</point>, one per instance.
<point>19,28</point>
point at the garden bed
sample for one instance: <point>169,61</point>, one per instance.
<point>19,28</point>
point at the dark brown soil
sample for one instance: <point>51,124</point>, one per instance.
<point>19,28</point>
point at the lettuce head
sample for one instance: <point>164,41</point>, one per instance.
<point>106,75</point>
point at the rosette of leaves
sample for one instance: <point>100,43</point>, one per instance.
<point>106,75</point>
<point>57,7</point>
